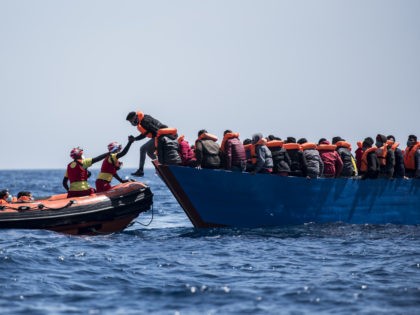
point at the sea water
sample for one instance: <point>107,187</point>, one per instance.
<point>162,265</point>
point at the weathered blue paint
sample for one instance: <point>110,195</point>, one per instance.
<point>223,198</point>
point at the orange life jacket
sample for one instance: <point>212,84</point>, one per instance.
<point>251,148</point>
<point>364,163</point>
<point>140,116</point>
<point>343,144</point>
<point>381,154</point>
<point>326,147</point>
<point>227,136</point>
<point>275,144</point>
<point>409,156</point>
<point>394,146</point>
<point>308,146</point>
<point>207,136</point>
<point>292,146</point>
<point>181,138</point>
<point>164,131</point>
<point>24,199</point>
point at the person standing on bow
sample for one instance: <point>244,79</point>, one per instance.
<point>148,127</point>
<point>78,174</point>
<point>111,165</point>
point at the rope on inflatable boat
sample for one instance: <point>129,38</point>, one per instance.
<point>38,207</point>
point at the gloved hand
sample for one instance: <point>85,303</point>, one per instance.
<point>131,138</point>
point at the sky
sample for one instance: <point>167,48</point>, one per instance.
<point>70,71</point>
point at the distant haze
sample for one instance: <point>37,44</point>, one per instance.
<point>72,70</point>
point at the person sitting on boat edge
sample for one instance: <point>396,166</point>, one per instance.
<point>111,165</point>
<point>207,150</point>
<point>399,169</point>
<point>333,165</point>
<point>148,127</point>
<point>297,164</point>
<point>386,157</point>
<point>6,197</point>
<point>264,163</point>
<point>349,162</point>
<point>24,196</point>
<point>233,152</point>
<point>369,168</point>
<point>313,164</point>
<point>186,153</point>
<point>281,159</point>
<point>412,157</point>
<point>78,174</point>
<point>167,146</point>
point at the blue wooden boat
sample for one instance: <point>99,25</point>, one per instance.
<point>219,198</point>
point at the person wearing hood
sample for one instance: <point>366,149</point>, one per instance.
<point>412,157</point>
<point>386,157</point>
<point>264,163</point>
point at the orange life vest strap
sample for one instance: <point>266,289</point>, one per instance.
<point>292,146</point>
<point>343,144</point>
<point>227,136</point>
<point>308,146</point>
<point>181,138</point>
<point>207,136</point>
<point>163,132</point>
<point>326,147</point>
<point>275,144</point>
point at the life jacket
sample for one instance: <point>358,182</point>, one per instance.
<point>308,146</point>
<point>364,163</point>
<point>140,116</point>
<point>409,156</point>
<point>292,146</point>
<point>164,132</point>
<point>382,152</point>
<point>109,168</point>
<point>343,144</point>
<point>394,146</point>
<point>326,147</point>
<point>226,137</point>
<point>262,141</point>
<point>250,148</point>
<point>207,136</point>
<point>275,144</point>
<point>24,199</point>
<point>77,176</point>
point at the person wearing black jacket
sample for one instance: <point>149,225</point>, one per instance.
<point>148,127</point>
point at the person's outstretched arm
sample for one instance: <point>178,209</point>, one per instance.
<point>99,157</point>
<point>126,148</point>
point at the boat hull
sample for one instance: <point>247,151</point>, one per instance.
<point>218,198</point>
<point>98,214</point>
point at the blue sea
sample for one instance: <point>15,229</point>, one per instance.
<point>162,265</point>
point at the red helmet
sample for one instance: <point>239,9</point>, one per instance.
<point>76,153</point>
<point>114,147</point>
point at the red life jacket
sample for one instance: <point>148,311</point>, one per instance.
<point>76,173</point>
<point>109,168</point>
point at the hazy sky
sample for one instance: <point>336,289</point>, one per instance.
<point>70,71</point>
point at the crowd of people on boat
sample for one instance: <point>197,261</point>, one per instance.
<point>379,158</point>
